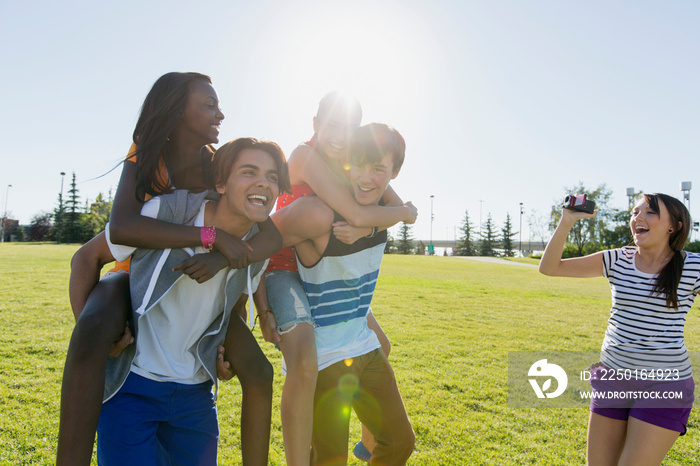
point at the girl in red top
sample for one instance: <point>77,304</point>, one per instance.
<point>318,167</point>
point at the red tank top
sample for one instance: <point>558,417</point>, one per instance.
<point>286,259</point>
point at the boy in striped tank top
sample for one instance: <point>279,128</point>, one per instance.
<point>339,280</point>
<point>653,284</point>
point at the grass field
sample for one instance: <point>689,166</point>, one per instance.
<point>451,321</point>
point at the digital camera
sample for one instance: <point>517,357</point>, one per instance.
<point>579,203</point>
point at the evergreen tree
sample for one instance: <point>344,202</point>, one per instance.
<point>488,238</point>
<point>390,247</point>
<point>466,245</point>
<point>71,227</point>
<point>420,249</point>
<point>507,234</point>
<point>56,232</point>
<point>405,243</point>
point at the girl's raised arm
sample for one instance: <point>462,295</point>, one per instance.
<point>582,267</point>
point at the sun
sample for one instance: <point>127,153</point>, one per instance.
<point>369,51</point>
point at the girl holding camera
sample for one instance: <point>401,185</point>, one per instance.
<point>653,284</point>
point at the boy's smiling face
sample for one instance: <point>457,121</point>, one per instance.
<point>369,181</point>
<point>252,185</point>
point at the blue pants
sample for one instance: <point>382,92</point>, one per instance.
<point>158,423</point>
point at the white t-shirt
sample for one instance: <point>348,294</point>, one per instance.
<point>166,348</point>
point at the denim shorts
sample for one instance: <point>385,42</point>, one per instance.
<point>287,300</point>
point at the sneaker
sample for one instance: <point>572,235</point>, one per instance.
<point>361,453</point>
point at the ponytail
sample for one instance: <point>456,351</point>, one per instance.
<point>670,276</point>
<point>669,279</point>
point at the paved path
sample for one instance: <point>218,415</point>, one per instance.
<point>494,260</point>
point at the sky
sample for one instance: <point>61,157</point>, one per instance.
<point>500,102</point>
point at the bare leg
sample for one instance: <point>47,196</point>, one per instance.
<point>299,350</point>
<point>367,438</point>
<point>255,374</point>
<point>101,323</point>
<point>646,444</point>
<point>606,439</point>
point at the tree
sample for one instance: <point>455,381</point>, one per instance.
<point>419,250</point>
<point>620,234</point>
<point>587,234</point>
<point>94,221</point>
<point>40,226</point>
<point>20,233</point>
<point>71,224</point>
<point>488,238</point>
<point>539,226</point>
<point>466,245</point>
<point>507,234</point>
<point>390,247</point>
<point>405,243</point>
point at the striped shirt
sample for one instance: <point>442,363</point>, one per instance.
<point>340,288</point>
<point>643,333</point>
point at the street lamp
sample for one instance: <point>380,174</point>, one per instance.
<point>520,230</point>
<point>685,187</point>
<point>431,248</point>
<point>60,210</point>
<point>481,202</point>
<point>4,218</point>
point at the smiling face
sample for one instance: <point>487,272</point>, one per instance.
<point>369,181</point>
<point>202,116</point>
<point>252,185</point>
<point>649,227</point>
<point>338,116</point>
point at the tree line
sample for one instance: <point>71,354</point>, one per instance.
<point>75,222</point>
<point>71,221</point>
<point>609,229</point>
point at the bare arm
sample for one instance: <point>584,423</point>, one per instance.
<point>304,219</point>
<point>581,267</point>
<point>390,198</point>
<point>348,234</point>
<point>128,226</point>
<point>268,325</point>
<point>85,267</point>
<point>307,166</point>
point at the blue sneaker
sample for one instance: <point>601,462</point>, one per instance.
<point>361,453</point>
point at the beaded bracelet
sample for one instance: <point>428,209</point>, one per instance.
<point>208,236</point>
<point>260,315</point>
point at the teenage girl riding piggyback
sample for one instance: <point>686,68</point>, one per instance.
<point>653,284</point>
<point>318,167</point>
<point>171,148</point>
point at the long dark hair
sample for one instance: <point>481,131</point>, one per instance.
<point>160,113</point>
<point>670,275</point>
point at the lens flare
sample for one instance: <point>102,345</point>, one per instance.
<point>348,385</point>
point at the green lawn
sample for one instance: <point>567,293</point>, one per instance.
<point>451,321</point>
